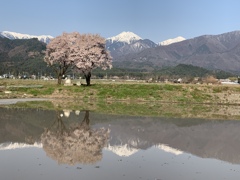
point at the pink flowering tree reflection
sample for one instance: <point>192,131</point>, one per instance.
<point>77,144</point>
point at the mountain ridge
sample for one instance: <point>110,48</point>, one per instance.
<point>124,43</point>
<point>213,52</point>
<point>14,35</point>
<point>208,51</point>
<point>171,41</point>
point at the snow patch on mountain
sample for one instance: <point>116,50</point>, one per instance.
<point>125,37</point>
<point>169,149</point>
<point>171,41</point>
<point>12,146</point>
<point>122,150</point>
<point>13,35</point>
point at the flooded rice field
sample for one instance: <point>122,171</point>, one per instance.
<point>46,144</point>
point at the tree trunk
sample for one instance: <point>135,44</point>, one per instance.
<point>59,79</point>
<point>60,71</point>
<point>88,78</point>
<point>85,122</point>
<point>86,119</point>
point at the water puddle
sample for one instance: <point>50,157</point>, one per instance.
<point>43,144</point>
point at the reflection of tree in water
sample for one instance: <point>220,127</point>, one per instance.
<point>79,144</point>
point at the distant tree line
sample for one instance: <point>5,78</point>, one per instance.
<point>39,68</point>
<point>179,71</point>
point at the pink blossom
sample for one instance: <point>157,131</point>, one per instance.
<point>84,52</point>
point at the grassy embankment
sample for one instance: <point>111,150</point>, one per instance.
<point>123,91</point>
<point>173,100</point>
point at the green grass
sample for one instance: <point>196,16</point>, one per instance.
<point>118,91</point>
<point>198,96</point>
<point>134,91</point>
<point>34,104</point>
<point>169,87</point>
<point>220,89</point>
<point>35,91</point>
<point>170,110</point>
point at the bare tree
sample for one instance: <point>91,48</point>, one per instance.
<point>89,52</point>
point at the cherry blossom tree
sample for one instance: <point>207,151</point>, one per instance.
<point>84,52</point>
<point>58,52</point>
<point>88,53</point>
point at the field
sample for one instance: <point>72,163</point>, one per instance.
<point>130,97</point>
<point>133,91</point>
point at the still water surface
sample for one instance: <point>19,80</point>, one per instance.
<point>40,144</point>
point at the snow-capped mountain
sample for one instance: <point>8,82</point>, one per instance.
<point>124,37</point>
<point>171,41</point>
<point>127,43</point>
<point>13,35</point>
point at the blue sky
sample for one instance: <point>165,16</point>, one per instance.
<point>157,20</point>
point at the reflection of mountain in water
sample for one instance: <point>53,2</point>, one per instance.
<point>169,149</point>
<point>23,125</point>
<point>204,138</point>
<point>122,150</point>
<point>11,146</point>
<point>125,150</point>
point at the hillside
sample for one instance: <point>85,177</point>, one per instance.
<point>179,71</point>
<point>185,70</point>
<point>214,52</point>
<point>22,55</point>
